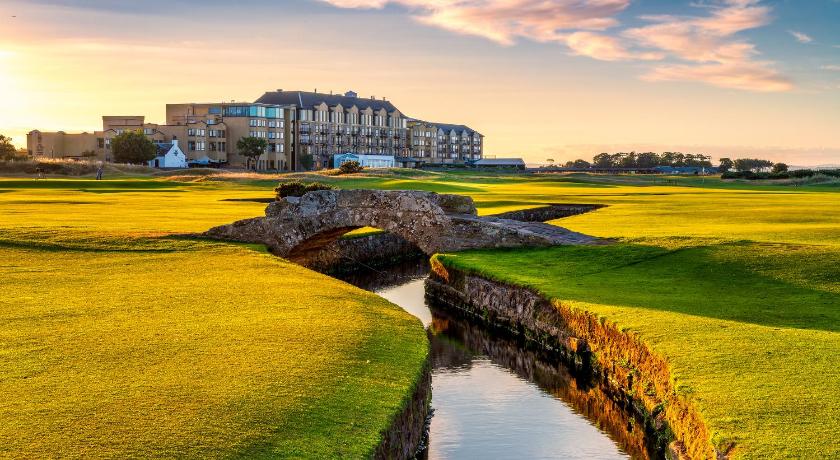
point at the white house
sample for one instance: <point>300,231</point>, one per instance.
<point>169,156</point>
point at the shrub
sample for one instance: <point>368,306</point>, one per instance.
<point>350,167</point>
<point>298,188</point>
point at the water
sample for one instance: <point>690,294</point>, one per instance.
<point>494,398</point>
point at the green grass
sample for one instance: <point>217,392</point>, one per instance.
<point>739,287</point>
<point>119,341</point>
<point>737,284</point>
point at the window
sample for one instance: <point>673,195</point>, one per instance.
<point>222,146</point>
<point>200,132</point>
<point>101,142</point>
<point>191,132</point>
<point>191,145</point>
<point>236,111</point>
<point>148,131</point>
<point>214,110</point>
<point>200,145</point>
<point>107,143</point>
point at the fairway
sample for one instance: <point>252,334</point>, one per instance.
<point>739,287</point>
<point>118,342</point>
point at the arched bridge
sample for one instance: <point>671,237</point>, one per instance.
<point>295,227</point>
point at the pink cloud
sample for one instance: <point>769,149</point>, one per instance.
<point>605,48</point>
<point>751,76</point>
<point>503,21</point>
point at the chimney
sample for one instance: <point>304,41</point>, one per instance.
<point>316,90</point>
<point>373,97</point>
<point>279,90</point>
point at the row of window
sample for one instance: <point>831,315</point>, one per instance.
<point>351,118</point>
<point>251,111</point>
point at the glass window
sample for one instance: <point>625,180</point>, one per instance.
<point>214,110</point>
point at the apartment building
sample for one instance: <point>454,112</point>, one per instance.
<point>213,129</point>
<point>329,124</point>
<point>443,143</point>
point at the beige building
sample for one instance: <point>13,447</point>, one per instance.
<point>443,143</point>
<point>329,124</point>
<point>296,125</point>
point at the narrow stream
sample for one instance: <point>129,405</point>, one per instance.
<point>493,397</point>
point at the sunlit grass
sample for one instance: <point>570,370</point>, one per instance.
<point>117,341</point>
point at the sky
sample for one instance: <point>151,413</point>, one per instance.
<point>541,79</point>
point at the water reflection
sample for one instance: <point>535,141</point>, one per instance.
<point>494,398</point>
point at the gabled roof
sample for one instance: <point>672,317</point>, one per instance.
<point>448,126</point>
<point>308,100</point>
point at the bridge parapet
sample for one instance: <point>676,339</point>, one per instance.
<point>296,226</point>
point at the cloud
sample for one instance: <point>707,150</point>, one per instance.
<point>605,48</point>
<point>504,21</point>
<point>706,44</point>
<point>710,49</point>
<point>751,76</point>
<point>801,37</point>
<point>832,67</point>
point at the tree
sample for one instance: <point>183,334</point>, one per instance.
<point>251,148</point>
<point>581,164</point>
<point>133,147</point>
<point>603,160</point>
<point>751,164</point>
<point>307,161</point>
<point>7,149</point>
<point>779,168</point>
<point>726,164</point>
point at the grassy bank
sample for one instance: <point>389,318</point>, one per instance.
<point>118,341</point>
<point>738,287</point>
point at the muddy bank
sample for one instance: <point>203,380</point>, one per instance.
<point>624,366</point>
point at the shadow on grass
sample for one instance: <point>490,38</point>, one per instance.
<point>710,281</point>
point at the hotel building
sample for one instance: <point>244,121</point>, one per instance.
<point>299,127</point>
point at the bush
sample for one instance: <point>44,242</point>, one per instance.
<point>298,188</point>
<point>350,167</point>
<point>798,174</point>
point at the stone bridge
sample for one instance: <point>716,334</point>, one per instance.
<point>297,227</point>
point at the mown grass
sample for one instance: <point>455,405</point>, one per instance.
<point>739,287</point>
<point>117,340</point>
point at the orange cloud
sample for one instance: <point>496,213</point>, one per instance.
<point>605,48</point>
<point>716,57</point>
<point>751,76</point>
<point>503,21</point>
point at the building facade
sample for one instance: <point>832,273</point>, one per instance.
<point>302,130</point>
<point>443,143</point>
<point>326,125</point>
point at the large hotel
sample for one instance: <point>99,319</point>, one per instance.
<point>300,128</point>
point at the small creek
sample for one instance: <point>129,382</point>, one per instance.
<point>493,397</point>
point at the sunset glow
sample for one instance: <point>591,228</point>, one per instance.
<point>556,79</point>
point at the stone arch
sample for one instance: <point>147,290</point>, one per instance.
<point>294,227</point>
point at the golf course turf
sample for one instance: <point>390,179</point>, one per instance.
<point>120,342</point>
<point>737,286</point>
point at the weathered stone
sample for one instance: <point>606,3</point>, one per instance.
<point>294,227</point>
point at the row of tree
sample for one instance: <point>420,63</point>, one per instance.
<point>647,160</point>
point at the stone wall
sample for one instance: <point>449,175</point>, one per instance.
<point>347,255</point>
<point>409,429</point>
<point>620,361</point>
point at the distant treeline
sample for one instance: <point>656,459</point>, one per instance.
<point>642,160</point>
<point>648,160</point>
<point>798,174</point>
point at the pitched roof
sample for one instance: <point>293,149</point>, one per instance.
<point>305,99</point>
<point>448,126</point>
